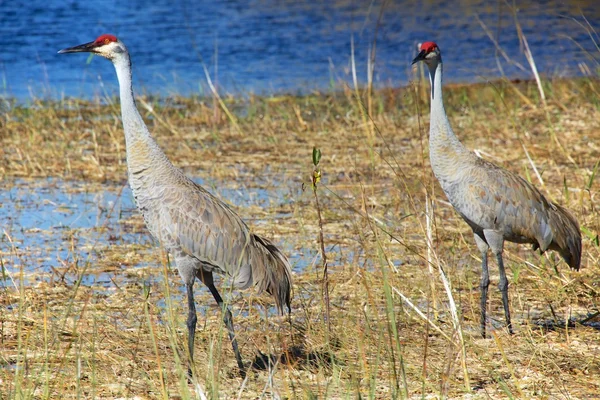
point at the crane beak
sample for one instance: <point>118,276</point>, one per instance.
<point>82,48</point>
<point>419,57</point>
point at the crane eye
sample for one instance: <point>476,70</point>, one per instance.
<point>106,41</point>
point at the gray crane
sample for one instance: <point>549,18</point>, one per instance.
<point>497,204</point>
<point>202,233</point>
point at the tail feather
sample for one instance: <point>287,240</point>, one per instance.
<point>566,235</point>
<point>271,271</point>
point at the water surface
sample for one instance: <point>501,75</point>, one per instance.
<point>282,46</point>
<point>51,228</point>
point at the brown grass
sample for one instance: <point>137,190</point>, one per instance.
<point>61,338</point>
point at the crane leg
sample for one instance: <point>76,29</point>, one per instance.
<point>228,320</point>
<point>485,279</point>
<point>207,278</point>
<point>503,286</point>
<point>191,324</point>
<point>496,242</point>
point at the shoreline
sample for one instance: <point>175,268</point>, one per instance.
<point>338,88</point>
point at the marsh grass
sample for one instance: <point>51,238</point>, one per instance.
<point>390,236</point>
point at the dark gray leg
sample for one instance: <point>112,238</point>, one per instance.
<point>191,324</point>
<point>483,285</point>
<point>503,286</point>
<point>228,319</point>
<point>496,242</point>
<point>207,278</point>
<point>485,280</point>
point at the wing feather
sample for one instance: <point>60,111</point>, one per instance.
<point>200,225</point>
<point>489,197</point>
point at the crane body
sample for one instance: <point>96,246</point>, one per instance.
<point>203,234</point>
<point>498,205</point>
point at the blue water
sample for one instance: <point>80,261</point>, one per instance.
<point>49,226</point>
<point>280,46</point>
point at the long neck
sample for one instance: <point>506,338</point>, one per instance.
<point>444,147</point>
<point>142,151</point>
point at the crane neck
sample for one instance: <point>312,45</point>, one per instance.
<point>133,124</point>
<point>142,150</point>
<point>441,135</point>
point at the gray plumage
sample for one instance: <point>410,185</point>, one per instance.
<point>200,231</point>
<point>497,204</point>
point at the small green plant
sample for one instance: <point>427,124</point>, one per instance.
<point>316,178</point>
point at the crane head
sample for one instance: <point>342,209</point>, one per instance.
<point>429,53</point>
<point>107,46</point>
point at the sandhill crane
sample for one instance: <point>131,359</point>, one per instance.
<point>497,204</point>
<point>200,231</point>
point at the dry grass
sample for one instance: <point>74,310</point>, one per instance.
<point>64,338</point>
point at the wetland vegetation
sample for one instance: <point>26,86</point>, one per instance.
<point>92,308</point>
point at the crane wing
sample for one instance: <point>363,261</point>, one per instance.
<point>200,225</point>
<point>505,202</point>
<point>188,220</point>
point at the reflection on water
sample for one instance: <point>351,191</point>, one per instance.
<point>270,46</point>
